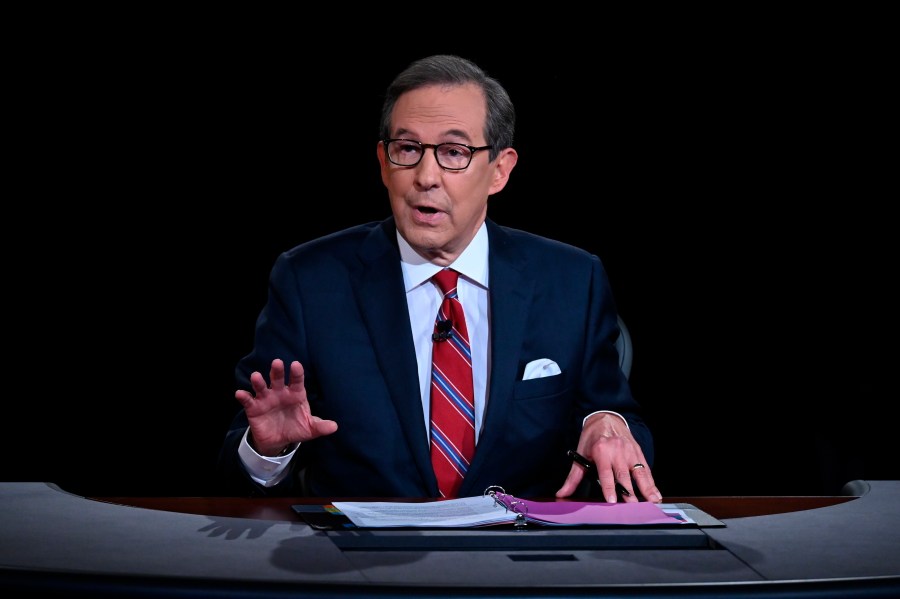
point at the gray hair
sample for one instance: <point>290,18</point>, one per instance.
<point>446,69</point>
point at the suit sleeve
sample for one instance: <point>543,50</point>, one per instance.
<point>278,334</point>
<point>604,385</point>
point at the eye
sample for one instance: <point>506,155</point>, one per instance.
<point>407,147</point>
<point>454,151</point>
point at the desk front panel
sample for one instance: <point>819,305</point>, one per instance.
<point>48,531</point>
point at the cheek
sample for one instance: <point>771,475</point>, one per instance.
<point>468,206</point>
<point>396,180</point>
<point>469,193</point>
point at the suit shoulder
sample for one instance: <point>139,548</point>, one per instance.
<point>338,244</point>
<point>351,235</point>
<point>536,246</point>
<point>330,255</point>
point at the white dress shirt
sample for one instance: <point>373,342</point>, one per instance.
<point>423,298</point>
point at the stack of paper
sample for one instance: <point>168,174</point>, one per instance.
<point>503,509</point>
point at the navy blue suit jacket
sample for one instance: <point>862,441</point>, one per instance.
<point>337,304</point>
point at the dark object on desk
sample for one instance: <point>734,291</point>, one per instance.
<point>320,517</point>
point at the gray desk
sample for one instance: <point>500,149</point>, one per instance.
<point>54,541</point>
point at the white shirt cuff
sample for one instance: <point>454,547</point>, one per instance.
<point>264,470</point>
<point>583,422</point>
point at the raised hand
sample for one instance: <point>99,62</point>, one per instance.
<point>279,415</point>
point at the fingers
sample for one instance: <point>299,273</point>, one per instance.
<point>262,390</point>
<point>296,379</point>
<point>276,374</point>
<point>576,473</point>
<point>623,475</point>
<point>259,384</point>
<point>245,397</point>
<point>644,482</point>
<point>615,486</point>
<point>614,478</point>
<point>623,486</point>
<point>608,482</point>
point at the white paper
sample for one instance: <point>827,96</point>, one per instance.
<point>468,511</point>
<point>484,510</point>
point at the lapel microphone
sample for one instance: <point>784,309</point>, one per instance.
<point>444,330</point>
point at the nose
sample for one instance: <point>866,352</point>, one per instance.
<point>428,171</point>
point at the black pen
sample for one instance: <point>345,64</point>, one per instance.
<point>587,465</point>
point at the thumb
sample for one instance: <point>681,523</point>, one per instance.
<point>321,427</point>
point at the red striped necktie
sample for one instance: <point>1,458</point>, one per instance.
<point>452,394</point>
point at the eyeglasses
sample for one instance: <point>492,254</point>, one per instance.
<point>450,156</point>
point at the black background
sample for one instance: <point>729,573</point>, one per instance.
<point>735,185</point>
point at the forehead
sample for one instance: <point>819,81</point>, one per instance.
<point>441,110</point>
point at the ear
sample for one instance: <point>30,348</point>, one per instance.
<point>503,166</point>
<point>382,160</point>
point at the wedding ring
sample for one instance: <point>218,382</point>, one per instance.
<point>636,466</point>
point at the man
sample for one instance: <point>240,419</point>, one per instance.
<point>349,328</point>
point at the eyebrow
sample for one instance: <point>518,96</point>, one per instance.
<point>449,133</point>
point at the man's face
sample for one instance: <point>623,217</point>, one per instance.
<point>439,211</point>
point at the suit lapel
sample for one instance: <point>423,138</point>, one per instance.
<point>382,302</point>
<point>511,293</point>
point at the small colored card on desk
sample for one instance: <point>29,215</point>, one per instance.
<point>323,517</point>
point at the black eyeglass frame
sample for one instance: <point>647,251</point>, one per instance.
<point>435,147</point>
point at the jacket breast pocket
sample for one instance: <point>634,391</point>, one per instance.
<point>540,387</point>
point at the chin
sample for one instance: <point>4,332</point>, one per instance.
<point>425,242</point>
<point>429,246</point>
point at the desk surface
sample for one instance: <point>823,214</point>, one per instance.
<point>51,540</point>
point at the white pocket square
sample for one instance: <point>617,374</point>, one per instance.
<point>537,369</point>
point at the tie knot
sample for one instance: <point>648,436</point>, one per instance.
<point>446,279</point>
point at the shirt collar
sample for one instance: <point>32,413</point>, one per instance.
<point>472,263</point>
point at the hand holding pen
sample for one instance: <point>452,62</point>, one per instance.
<point>589,466</point>
<point>608,453</point>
